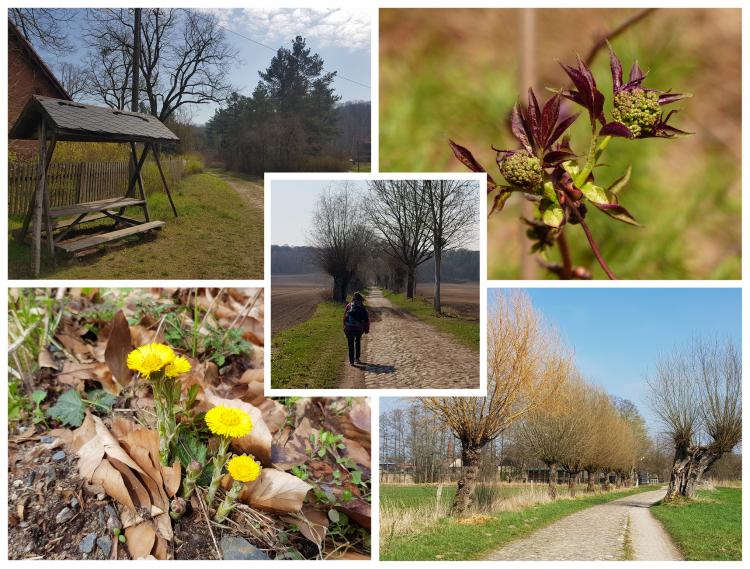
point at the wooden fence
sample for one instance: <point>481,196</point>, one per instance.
<point>78,182</point>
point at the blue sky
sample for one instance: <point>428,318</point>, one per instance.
<point>618,334</point>
<point>340,35</point>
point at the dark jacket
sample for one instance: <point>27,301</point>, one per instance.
<point>362,324</point>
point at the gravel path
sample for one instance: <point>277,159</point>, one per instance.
<point>403,352</point>
<point>598,533</point>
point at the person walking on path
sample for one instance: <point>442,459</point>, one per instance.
<point>356,323</point>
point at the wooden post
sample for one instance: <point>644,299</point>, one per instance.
<point>164,179</point>
<point>36,243</point>
<point>138,166</point>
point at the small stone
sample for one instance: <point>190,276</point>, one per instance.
<point>64,515</point>
<point>236,548</point>
<point>46,440</point>
<point>17,483</point>
<point>113,520</point>
<point>59,455</point>
<point>105,544</point>
<point>49,475</point>
<point>30,476</point>
<point>23,524</point>
<point>74,502</point>
<point>87,543</point>
<point>101,496</point>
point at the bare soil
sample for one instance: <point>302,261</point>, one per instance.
<point>294,298</point>
<point>462,298</point>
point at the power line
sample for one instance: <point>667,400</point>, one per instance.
<point>268,47</point>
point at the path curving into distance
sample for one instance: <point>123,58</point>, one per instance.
<point>403,352</point>
<point>599,533</point>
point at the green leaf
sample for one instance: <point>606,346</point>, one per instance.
<point>552,213</point>
<point>69,409</point>
<point>594,193</point>
<point>100,400</point>
<point>619,184</point>
<point>38,396</point>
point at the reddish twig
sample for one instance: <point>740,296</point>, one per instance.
<point>592,243</point>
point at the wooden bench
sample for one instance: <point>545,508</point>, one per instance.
<point>92,207</point>
<point>76,245</point>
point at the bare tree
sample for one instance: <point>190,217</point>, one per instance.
<point>184,60</point>
<point>527,362</point>
<point>401,218</point>
<point>453,208</point>
<point>44,27</point>
<point>697,393</point>
<point>74,78</point>
<point>339,236</point>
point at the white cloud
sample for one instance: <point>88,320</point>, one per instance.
<point>345,28</point>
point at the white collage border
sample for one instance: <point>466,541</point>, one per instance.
<point>374,6</point>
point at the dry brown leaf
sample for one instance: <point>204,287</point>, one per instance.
<point>312,523</point>
<point>126,464</point>
<point>46,360</point>
<point>119,345</point>
<point>258,442</point>
<point>358,510</point>
<point>276,491</point>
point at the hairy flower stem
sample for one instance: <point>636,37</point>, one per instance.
<point>218,463</point>
<point>229,501</point>
<point>567,264</point>
<point>594,246</point>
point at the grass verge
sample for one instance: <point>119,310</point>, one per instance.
<point>465,331</point>
<point>708,528</point>
<point>215,236</point>
<point>456,540</point>
<point>310,355</point>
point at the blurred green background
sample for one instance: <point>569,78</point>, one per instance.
<point>455,73</point>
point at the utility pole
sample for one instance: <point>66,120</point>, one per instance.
<point>136,59</point>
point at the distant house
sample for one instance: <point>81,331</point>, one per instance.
<point>27,75</point>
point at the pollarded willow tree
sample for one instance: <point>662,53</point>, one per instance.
<point>340,237</point>
<point>697,392</point>
<point>527,361</point>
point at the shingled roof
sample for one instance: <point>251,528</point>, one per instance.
<point>88,123</point>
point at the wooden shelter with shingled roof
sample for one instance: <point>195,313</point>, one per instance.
<point>50,121</point>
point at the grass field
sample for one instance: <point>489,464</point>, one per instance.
<point>466,331</point>
<point>310,355</point>
<point>453,540</point>
<point>418,495</point>
<point>215,236</point>
<point>708,528</point>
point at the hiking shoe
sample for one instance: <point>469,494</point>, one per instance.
<point>358,362</point>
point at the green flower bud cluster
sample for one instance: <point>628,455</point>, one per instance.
<point>637,109</point>
<point>522,169</point>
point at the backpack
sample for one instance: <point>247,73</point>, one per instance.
<point>355,317</point>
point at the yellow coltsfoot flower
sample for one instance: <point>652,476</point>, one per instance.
<point>178,367</point>
<point>229,422</point>
<point>243,468</point>
<point>150,358</point>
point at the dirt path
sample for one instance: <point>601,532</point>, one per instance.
<point>599,533</point>
<point>250,192</point>
<point>403,352</point>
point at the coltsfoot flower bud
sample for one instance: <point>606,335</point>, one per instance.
<point>177,508</point>
<point>192,473</point>
<point>638,109</point>
<point>522,169</point>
